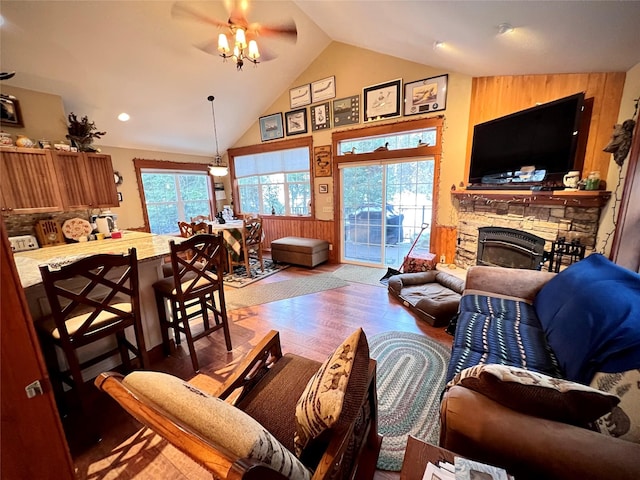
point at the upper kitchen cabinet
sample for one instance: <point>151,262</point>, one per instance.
<point>86,180</point>
<point>29,181</point>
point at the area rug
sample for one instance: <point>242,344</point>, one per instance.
<point>411,376</point>
<point>360,274</point>
<point>239,278</point>
<point>272,292</point>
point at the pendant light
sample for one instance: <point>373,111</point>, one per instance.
<point>217,168</point>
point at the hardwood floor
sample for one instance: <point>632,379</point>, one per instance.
<point>310,325</point>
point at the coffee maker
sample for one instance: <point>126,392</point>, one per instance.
<point>104,223</point>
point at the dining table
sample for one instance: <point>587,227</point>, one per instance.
<point>232,235</point>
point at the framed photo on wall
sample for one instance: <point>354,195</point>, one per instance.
<point>324,188</point>
<point>382,101</point>
<point>323,89</point>
<point>296,121</point>
<point>426,95</point>
<point>320,116</point>
<point>322,161</point>
<point>300,96</point>
<point>271,127</point>
<point>346,111</point>
<point>11,114</point>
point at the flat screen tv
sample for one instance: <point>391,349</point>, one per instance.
<point>531,146</point>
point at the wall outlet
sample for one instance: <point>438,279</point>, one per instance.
<point>442,259</point>
<point>331,246</point>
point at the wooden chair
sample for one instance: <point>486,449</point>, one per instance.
<point>200,227</point>
<point>186,229</point>
<point>197,273</point>
<point>201,218</point>
<point>91,299</point>
<point>265,386</point>
<point>251,245</point>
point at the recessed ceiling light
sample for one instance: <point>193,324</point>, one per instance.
<point>124,117</point>
<point>438,44</point>
<point>505,28</point>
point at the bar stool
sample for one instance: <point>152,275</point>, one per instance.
<point>92,298</point>
<point>197,265</point>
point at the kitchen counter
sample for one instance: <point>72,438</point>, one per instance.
<point>148,247</point>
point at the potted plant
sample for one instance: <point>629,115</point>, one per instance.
<point>82,132</point>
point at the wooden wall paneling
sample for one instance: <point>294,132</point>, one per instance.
<point>279,227</point>
<point>443,242</point>
<point>492,97</point>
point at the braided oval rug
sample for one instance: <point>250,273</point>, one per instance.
<point>411,376</point>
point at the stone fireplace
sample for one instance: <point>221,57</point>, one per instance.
<point>574,216</point>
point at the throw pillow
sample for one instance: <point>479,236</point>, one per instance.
<point>590,313</point>
<point>624,420</point>
<point>537,394</point>
<point>217,421</point>
<point>333,396</point>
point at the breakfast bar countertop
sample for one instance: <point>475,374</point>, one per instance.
<point>148,247</point>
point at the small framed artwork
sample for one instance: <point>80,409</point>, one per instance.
<point>11,114</point>
<point>271,127</point>
<point>320,117</point>
<point>322,161</point>
<point>323,89</point>
<point>296,121</point>
<point>346,111</point>
<point>300,96</point>
<point>426,95</point>
<point>324,188</point>
<point>382,101</point>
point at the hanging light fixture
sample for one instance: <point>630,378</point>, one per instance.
<point>217,168</point>
<point>241,50</point>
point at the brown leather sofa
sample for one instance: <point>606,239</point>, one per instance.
<point>477,427</point>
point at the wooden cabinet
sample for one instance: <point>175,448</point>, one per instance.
<point>40,181</point>
<point>29,181</point>
<point>86,180</point>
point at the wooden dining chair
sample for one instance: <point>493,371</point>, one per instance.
<point>186,229</point>
<point>201,218</point>
<point>252,236</point>
<point>197,274</point>
<point>91,299</point>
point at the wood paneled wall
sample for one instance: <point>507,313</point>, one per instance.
<point>493,97</point>
<point>443,242</point>
<point>278,227</point>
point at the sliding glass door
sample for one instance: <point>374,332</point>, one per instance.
<point>383,207</point>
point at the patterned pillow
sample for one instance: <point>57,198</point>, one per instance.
<point>624,420</point>
<point>217,421</point>
<point>537,394</point>
<point>333,396</point>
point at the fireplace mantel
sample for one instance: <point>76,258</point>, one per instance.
<point>575,198</point>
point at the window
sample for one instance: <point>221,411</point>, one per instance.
<point>173,195</point>
<point>275,182</point>
<point>394,141</point>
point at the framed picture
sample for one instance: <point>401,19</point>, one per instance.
<point>320,117</point>
<point>271,127</point>
<point>322,161</point>
<point>426,95</point>
<point>11,114</point>
<point>323,89</point>
<point>300,96</point>
<point>346,111</point>
<point>324,188</point>
<point>296,121</point>
<point>382,101</point>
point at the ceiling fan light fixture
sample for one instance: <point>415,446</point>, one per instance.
<point>254,53</point>
<point>241,39</point>
<point>223,44</point>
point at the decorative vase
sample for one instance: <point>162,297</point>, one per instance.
<point>83,144</point>
<point>24,141</point>
<point>6,140</point>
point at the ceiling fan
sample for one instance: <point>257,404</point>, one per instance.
<point>238,39</point>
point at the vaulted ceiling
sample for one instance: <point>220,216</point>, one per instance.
<point>106,57</point>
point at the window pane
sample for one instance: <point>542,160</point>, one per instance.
<point>163,218</point>
<point>250,199</point>
<point>273,199</point>
<point>299,198</point>
<point>159,187</point>
<point>395,141</point>
<point>194,187</point>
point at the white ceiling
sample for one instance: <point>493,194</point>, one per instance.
<point>106,57</point>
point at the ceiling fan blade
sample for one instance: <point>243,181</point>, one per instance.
<point>238,12</point>
<point>287,31</point>
<point>184,11</point>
